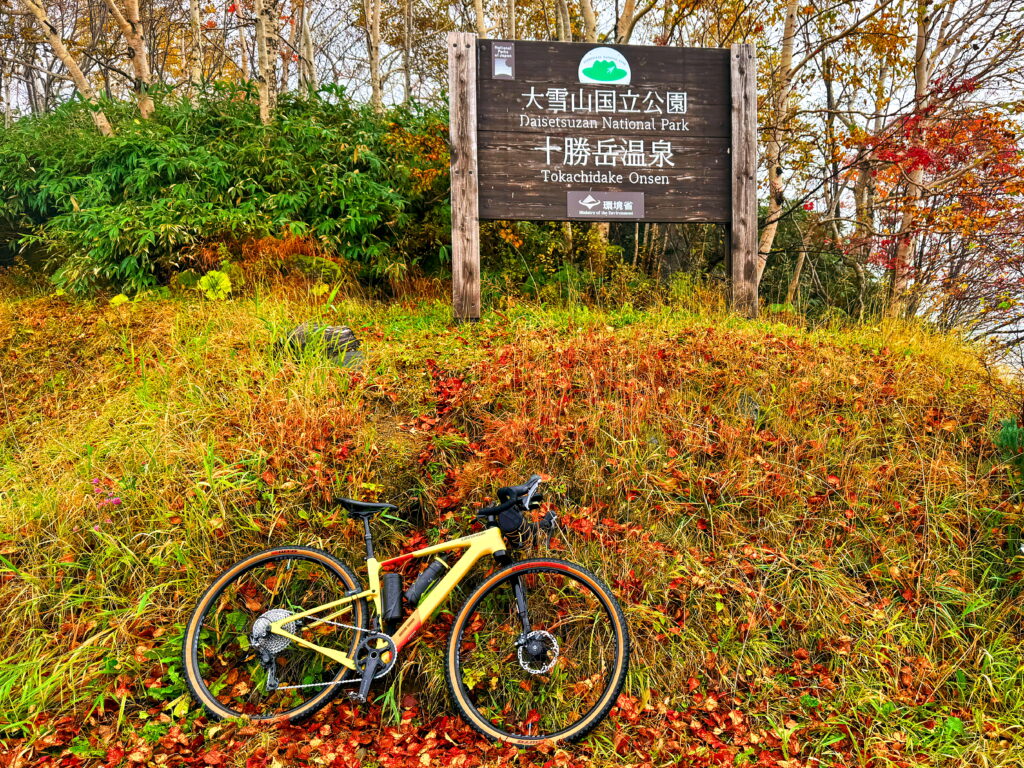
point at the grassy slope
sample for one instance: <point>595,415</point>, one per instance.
<point>813,546</point>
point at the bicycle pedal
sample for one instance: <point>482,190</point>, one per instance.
<point>356,697</point>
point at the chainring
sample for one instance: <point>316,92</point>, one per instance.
<point>372,644</point>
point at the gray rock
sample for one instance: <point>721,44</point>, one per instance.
<point>750,408</point>
<point>337,342</point>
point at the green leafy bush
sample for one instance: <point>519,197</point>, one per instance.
<point>1010,442</point>
<point>127,211</point>
<point>215,285</point>
<point>185,280</point>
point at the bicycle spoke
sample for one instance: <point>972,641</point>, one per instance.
<point>234,671</point>
<point>545,682</point>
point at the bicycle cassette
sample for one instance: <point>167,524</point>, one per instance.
<point>261,637</point>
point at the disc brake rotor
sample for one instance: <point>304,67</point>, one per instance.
<point>538,652</point>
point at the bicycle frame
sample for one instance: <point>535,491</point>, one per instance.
<point>476,546</point>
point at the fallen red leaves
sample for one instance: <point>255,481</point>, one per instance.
<point>714,731</point>
<point>761,550</point>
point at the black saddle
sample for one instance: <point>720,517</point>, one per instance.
<point>364,509</point>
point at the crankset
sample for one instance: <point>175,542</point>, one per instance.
<point>378,646</point>
<point>375,657</point>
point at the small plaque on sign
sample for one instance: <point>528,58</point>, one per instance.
<point>503,61</point>
<point>605,205</point>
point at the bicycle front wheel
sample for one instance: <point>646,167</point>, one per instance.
<point>550,673</point>
<point>230,657</point>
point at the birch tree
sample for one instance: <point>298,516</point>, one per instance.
<point>563,21</point>
<point>307,68</point>
<point>266,49</point>
<point>407,49</point>
<point>629,18</point>
<point>84,87</point>
<point>371,14</point>
<point>197,53</point>
<point>128,20</point>
<point>478,17</point>
<point>949,36</point>
<point>589,21</point>
<point>783,111</point>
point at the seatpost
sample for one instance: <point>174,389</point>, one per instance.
<point>368,538</point>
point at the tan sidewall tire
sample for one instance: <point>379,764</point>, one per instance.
<point>190,641</point>
<point>608,699</point>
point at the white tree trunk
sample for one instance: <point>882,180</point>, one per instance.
<point>196,59</point>
<point>589,21</point>
<point>906,239</point>
<point>478,13</point>
<point>564,21</point>
<point>371,10</point>
<point>801,257</point>
<point>307,71</point>
<point>77,76</point>
<point>266,45</point>
<point>8,106</point>
<point>128,19</point>
<point>624,24</point>
<point>773,149</point>
<point>312,82</point>
<point>510,19</point>
<point>407,49</point>
<point>291,49</point>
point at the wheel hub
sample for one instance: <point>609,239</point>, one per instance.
<point>538,652</point>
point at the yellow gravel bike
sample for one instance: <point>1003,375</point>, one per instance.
<point>538,652</point>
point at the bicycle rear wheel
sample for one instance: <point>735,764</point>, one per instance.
<point>554,679</point>
<point>224,670</point>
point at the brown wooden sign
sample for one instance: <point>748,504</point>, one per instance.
<point>592,132</point>
<point>603,133</point>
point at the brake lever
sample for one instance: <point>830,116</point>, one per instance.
<point>535,481</point>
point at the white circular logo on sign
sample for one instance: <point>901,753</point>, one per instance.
<point>604,66</point>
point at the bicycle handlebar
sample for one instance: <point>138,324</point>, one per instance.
<point>513,496</point>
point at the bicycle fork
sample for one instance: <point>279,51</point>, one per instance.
<point>536,649</point>
<point>524,615</point>
<point>523,643</point>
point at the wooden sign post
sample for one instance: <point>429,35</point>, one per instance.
<point>590,132</point>
<point>465,210</point>
<point>743,222</point>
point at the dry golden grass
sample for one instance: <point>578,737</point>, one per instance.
<point>810,524</point>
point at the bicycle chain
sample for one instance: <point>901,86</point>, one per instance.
<point>352,681</point>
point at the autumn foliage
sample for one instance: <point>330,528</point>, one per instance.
<point>810,532</point>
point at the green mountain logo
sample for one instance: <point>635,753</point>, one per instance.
<point>604,65</point>
<point>605,71</point>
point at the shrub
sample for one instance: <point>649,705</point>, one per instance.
<point>127,211</point>
<point>215,285</point>
<point>1010,442</point>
